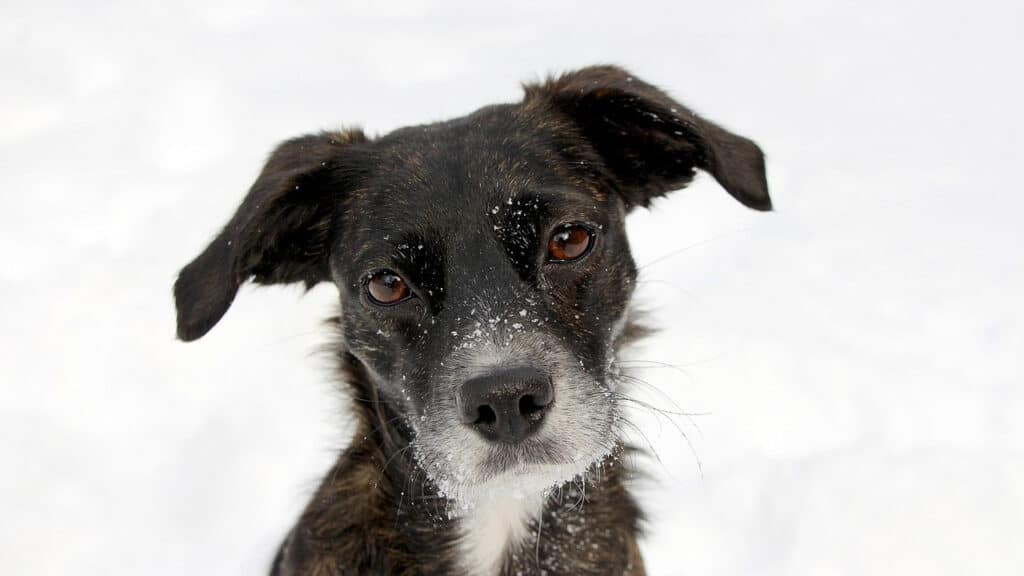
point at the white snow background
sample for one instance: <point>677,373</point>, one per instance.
<point>857,352</point>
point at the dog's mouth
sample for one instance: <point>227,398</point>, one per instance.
<point>544,461</point>
<point>520,459</point>
<point>528,472</point>
<point>463,464</point>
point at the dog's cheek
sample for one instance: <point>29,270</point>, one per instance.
<point>599,302</point>
<point>614,285</point>
<point>614,288</point>
<point>375,344</point>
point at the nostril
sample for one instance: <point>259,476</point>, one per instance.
<point>529,406</point>
<point>486,415</point>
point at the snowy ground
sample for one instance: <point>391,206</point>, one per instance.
<point>857,352</point>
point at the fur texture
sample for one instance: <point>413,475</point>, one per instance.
<point>460,218</point>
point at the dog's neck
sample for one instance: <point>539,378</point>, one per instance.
<point>377,513</point>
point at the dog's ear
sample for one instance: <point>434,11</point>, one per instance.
<point>650,143</point>
<point>277,235</point>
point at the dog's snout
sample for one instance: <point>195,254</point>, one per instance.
<point>506,405</point>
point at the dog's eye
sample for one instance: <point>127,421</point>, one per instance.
<point>385,288</point>
<point>569,242</point>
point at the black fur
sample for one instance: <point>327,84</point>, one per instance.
<point>462,210</point>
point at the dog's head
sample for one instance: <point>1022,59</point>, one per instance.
<point>482,263</point>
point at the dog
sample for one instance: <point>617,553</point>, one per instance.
<point>484,277</point>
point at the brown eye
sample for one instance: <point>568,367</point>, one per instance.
<point>386,287</point>
<point>569,243</point>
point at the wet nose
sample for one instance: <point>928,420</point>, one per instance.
<point>506,405</point>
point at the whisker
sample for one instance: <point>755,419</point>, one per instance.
<point>383,424</point>
<point>632,379</point>
<point>679,410</point>
<point>688,293</point>
<point>689,247</point>
<point>398,453</point>
<point>650,364</point>
<point>646,363</point>
<point>625,398</point>
<point>540,528</point>
<point>646,440</point>
<point>686,438</point>
<point>407,485</point>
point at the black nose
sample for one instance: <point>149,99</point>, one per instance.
<point>506,405</point>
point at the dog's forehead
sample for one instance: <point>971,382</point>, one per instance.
<point>494,152</point>
<point>458,177</point>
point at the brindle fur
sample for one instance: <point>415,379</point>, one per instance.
<point>428,200</point>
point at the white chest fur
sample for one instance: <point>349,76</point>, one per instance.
<point>492,526</point>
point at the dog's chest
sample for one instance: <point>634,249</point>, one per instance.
<point>494,526</point>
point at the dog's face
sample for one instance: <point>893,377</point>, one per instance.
<point>483,282</point>
<point>482,263</point>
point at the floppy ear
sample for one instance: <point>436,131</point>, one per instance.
<point>278,234</point>
<point>650,143</point>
